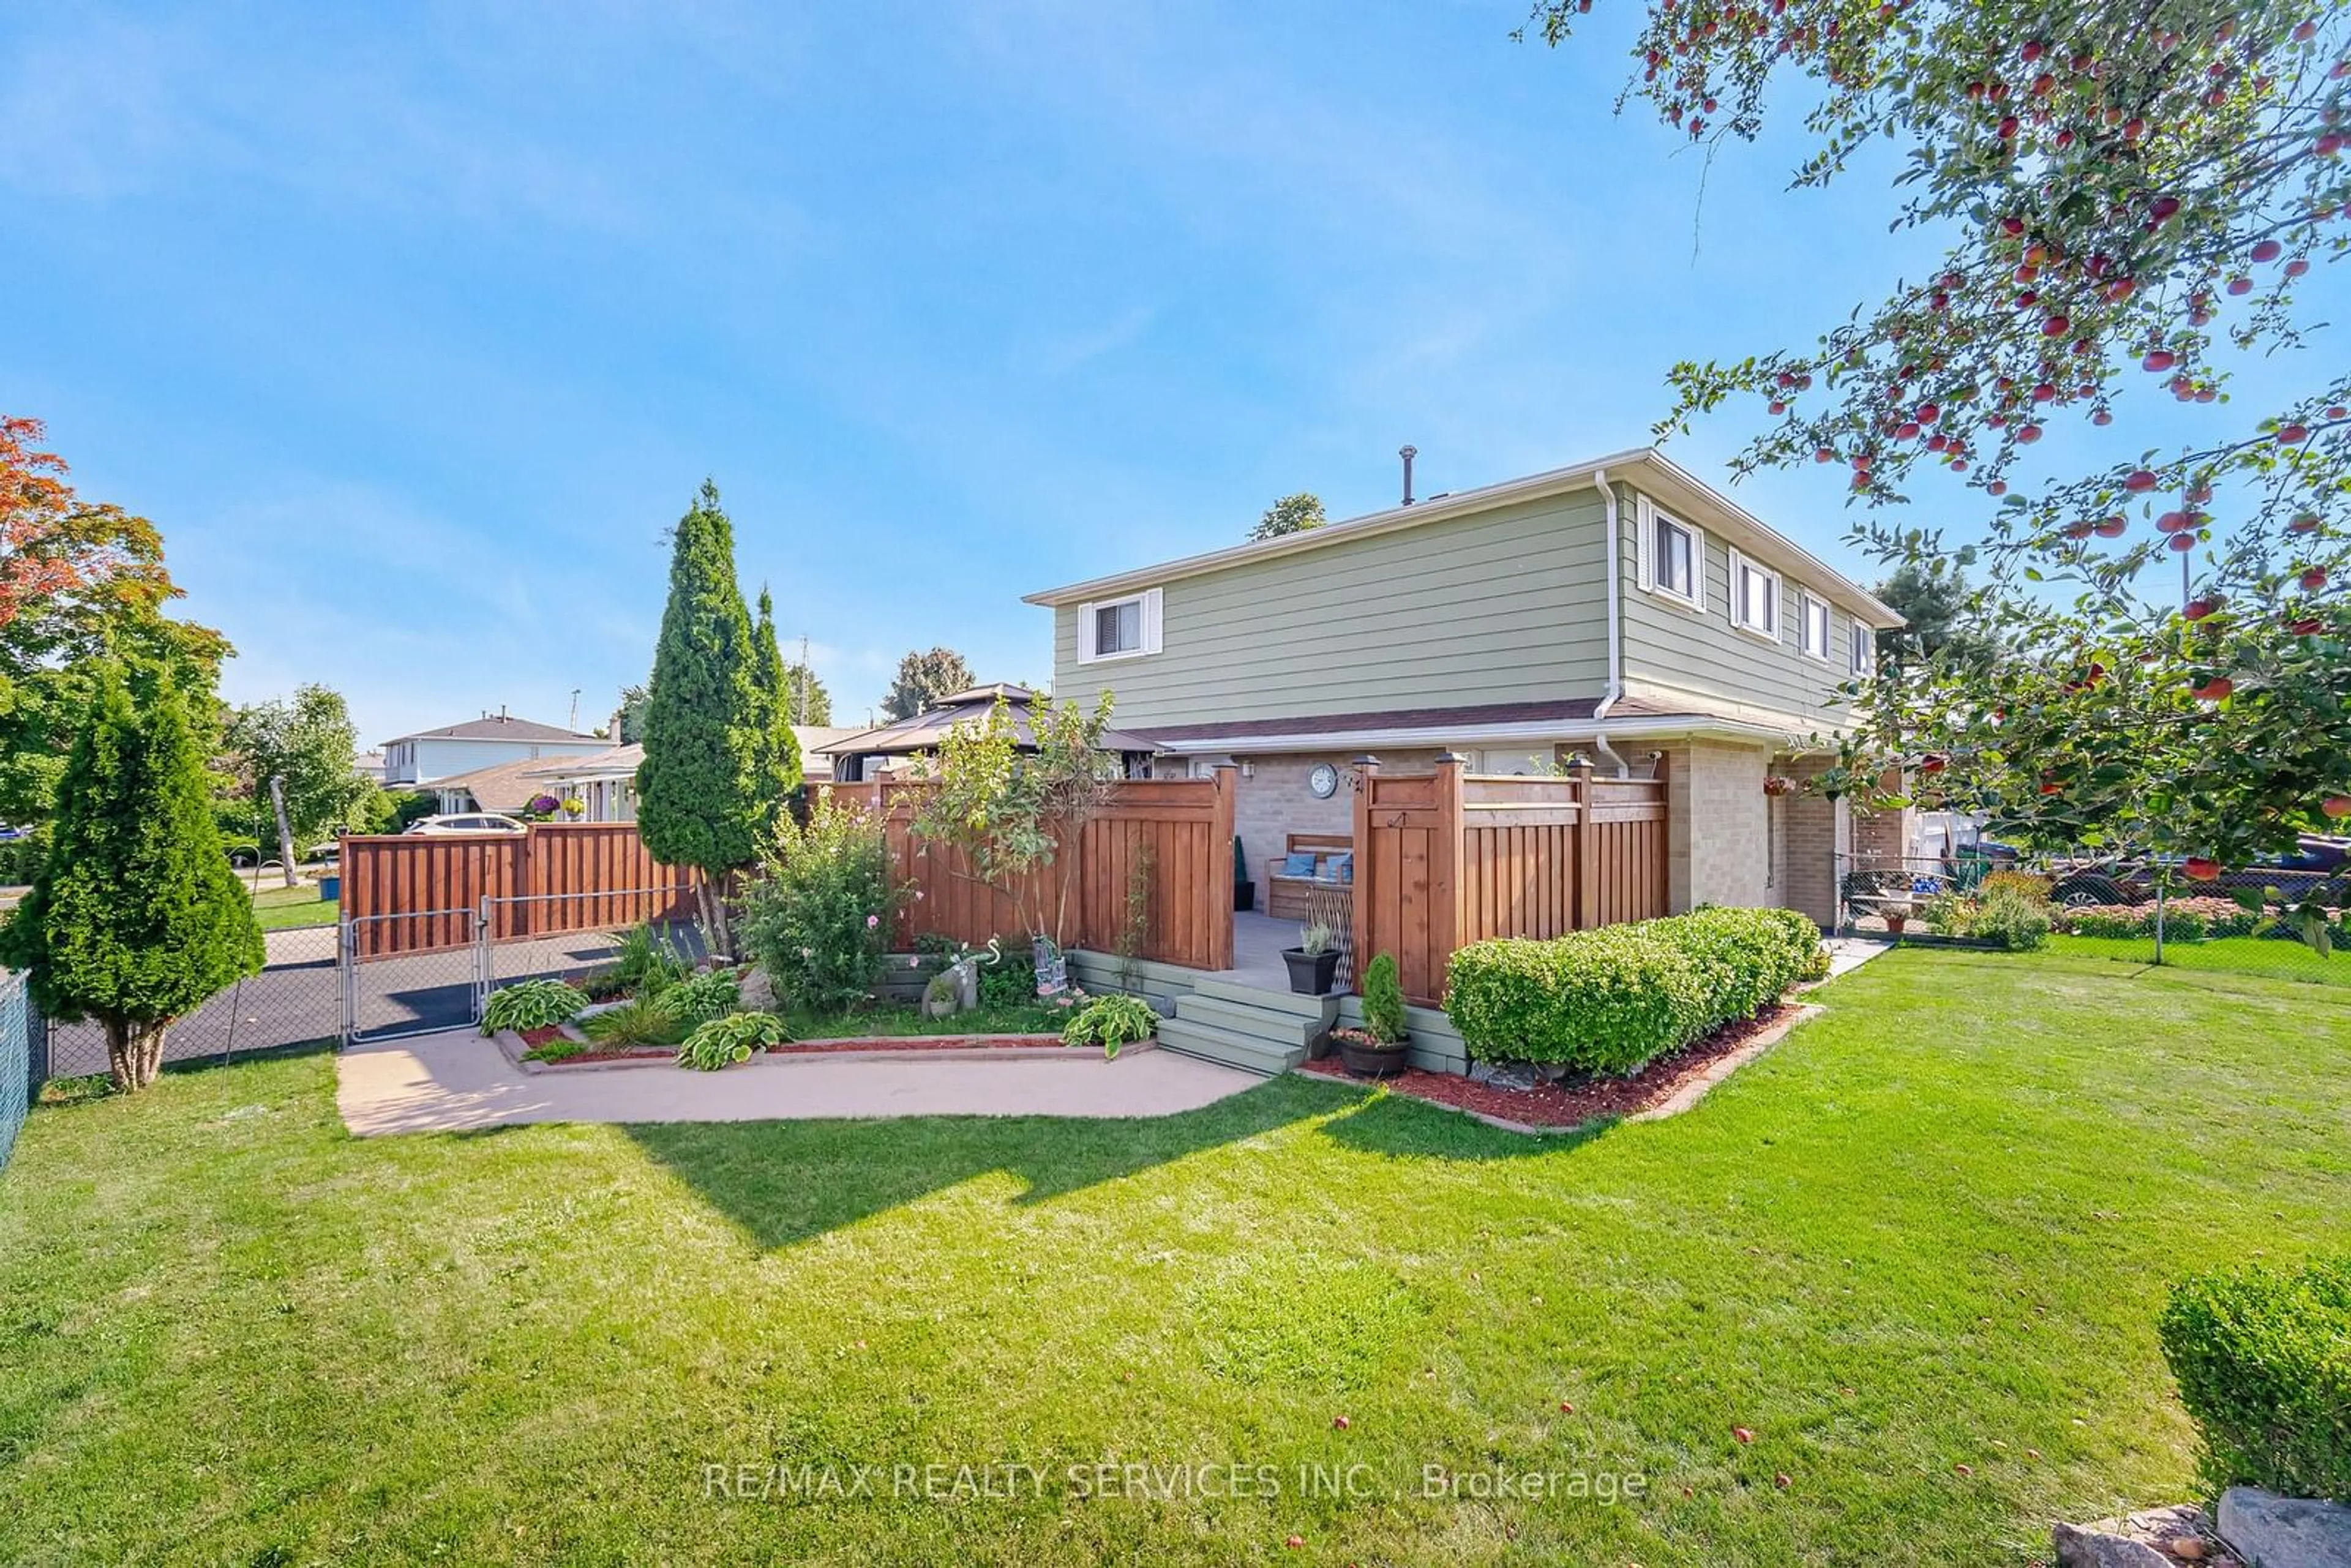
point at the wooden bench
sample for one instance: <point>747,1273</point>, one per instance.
<point>1286,896</point>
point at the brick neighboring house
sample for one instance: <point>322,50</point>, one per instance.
<point>1620,611</point>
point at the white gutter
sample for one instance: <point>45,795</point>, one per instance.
<point>1616,686</point>
<point>1556,730</point>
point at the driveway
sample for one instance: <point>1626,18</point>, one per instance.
<point>456,1080</point>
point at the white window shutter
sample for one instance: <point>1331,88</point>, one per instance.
<point>1645,543</point>
<point>1151,621</point>
<point>1697,567</point>
<point>1085,634</point>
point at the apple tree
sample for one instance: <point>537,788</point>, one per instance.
<point>2130,201</point>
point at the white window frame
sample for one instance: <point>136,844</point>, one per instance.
<point>1808,601</point>
<point>1861,649</point>
<point>1739,620</point>
<point>1148,615</point>
<point>1647,515</point>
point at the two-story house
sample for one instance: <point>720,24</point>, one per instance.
<point>429,756</point>
<point>1621,612</point>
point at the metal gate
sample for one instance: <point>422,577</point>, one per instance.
<point>408,993</point>
<point>17,1066</point>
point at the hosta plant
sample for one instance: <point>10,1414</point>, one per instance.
<point>698,998</point>
<point>1111,1022</point>
<point>531,1004</point>
<point>723,1041</point>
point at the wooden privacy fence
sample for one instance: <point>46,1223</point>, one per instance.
<point>1446,859</point>
<point>1184,827</point>
<point>422,893</point>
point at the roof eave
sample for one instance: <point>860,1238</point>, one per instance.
<point>1700,496</point>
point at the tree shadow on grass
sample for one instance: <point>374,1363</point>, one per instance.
<point>1403,1127</point>
<point>788,1181</point>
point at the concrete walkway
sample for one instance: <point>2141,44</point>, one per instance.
<point>456,1080</point>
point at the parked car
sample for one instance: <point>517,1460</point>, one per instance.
<point>468,822</point>
<point>2320,867</point>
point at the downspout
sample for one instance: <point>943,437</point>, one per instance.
<point>1616,686</point>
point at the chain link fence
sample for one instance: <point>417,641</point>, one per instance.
<point>566,943</point>
<point>292,1002</point>
<point>17,1066</point>
<point>2130,910</point>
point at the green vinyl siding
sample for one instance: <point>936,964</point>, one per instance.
<point>1702,652</point>
<point>1502,606</point>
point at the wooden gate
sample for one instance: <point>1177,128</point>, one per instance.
<point>1448,858</point>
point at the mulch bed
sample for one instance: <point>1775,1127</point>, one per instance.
<point>535,1038</point>
<point>1575,1102</point>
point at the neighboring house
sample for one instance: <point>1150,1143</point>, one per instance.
<point>432,755</point>
<point>506,787</point>
<point>368,765</point>
<point>861,755</point>
<point>605,782</point>
<point>1621,610</point>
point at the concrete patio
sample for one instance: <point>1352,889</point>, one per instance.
<point>456,1080</point>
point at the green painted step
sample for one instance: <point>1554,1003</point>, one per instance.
<point>1315,1007</point>
<point>1283,1029</point>
<point>1231,1050</point>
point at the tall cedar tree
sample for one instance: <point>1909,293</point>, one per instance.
<point>700,791</point>
<point>135,918</point>
<point>780,764</point>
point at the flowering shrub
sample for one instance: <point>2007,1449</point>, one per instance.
<point>2184,919</point>
<point>818,923</point>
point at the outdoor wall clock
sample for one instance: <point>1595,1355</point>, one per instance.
<point>1323,781</point>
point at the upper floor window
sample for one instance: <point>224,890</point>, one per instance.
<point>1864,650</point>
<point>1119,628</point>
<point>1814,627</point>
<point>1754,598</point>
<point>1672,556</point>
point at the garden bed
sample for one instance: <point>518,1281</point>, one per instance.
<point>517,1047</point>
<point>1669,1084</point>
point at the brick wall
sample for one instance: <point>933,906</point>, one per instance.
<point>1720,825</point>
<point>1275,802</point>
<point>1819,831</point>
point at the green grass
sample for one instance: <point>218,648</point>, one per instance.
<point>2232,954</point>
<point>1931,1230</point>
<point>277,908</point>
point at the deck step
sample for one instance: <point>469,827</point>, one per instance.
<point>1283,1029</point>
<point>1213,1044</point>
<point>1315,1007</point>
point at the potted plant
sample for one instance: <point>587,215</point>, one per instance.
<point>1378,1048</point>
<point>1896,915</point>
<point>1313,962</point>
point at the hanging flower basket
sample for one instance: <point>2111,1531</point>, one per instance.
<point>1775,785</point>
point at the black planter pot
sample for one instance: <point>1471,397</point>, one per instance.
<point>1311,974</point>
<point>1374,1061</point>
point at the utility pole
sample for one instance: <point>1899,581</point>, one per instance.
<point>574,724</point>
<point>799,700</point>
<point>287,855</point>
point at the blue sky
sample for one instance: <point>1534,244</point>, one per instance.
<point>414,327</point>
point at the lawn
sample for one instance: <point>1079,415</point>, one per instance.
<point>1915,1251</point>
<point>2235,955</point>
<point>277,908</point>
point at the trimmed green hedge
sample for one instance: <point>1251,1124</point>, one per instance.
<point>1612,999</point>
<point>2263,1360</point>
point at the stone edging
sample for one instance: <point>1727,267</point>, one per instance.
<point>872,1048</point>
